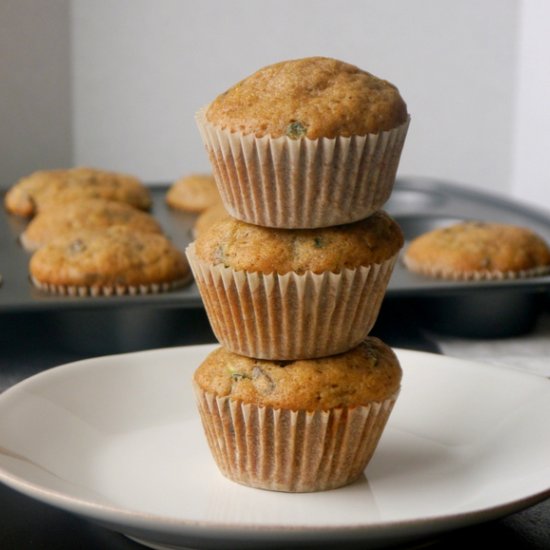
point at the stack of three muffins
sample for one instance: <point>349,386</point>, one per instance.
<point>305,154</point>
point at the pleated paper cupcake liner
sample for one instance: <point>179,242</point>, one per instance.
<point>473,275</point>
<point>304,183</point>
<point>290,316</point>
<point>293,451</point>
<point>109,290</point>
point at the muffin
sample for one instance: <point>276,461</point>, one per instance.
<point>194,193</point>
<point>290,293</point>
<point>49,187</point>
<point>85,214</point>
<point>116,260</point>
<point>305,143</point>
<point>209,217</point>
<point>478,250</point>
<point>297,426</point>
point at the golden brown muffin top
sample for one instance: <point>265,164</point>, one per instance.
<point>487,249</point>
<point>368,372</point>
<point>49,187</point>
<point>193,193</point>
<point>113,256</point>
<point>242,246</point>
<point>312,97</point>
<point>61,219</point>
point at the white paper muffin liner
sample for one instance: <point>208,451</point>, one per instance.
<point>290,316</point>
<point>304,183</point>
<point>473,275</point>
<point>293,451</point>
<point>109,290</point>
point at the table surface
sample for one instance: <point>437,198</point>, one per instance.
<point>29,344</point>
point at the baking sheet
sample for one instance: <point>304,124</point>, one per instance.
<point>417,204</point>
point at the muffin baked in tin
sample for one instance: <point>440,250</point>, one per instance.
<point>478,250</point>
<point>116,260</point>
<point>45,188</point>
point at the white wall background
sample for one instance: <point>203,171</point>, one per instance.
<point>531,147</point>
<point>470,72</point>
<point>35,87</point>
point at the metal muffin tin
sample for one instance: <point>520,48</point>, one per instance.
<point>495,308</point>
<point>488,309</point>
<point>17,293</point>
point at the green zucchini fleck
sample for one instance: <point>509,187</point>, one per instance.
<point>296,130</point>
<point>238,376</point>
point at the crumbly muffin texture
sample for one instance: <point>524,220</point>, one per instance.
<point>59,220</point>
<point>247,247</point>
<point>114,256</point>
<point>313,97</point>
<point>368,372</point>
<point>478,249</point>
<point>193,193</point>
<point>49,187</point>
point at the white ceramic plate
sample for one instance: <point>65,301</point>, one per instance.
<point>117,440</point>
